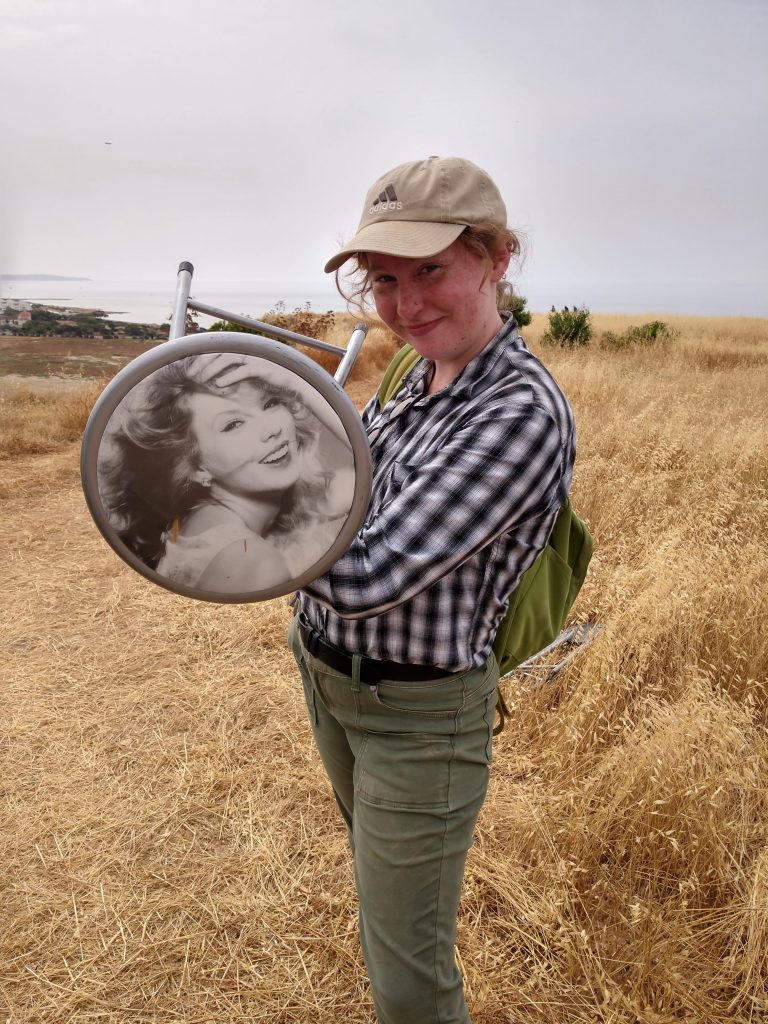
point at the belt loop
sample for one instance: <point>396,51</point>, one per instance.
<point>356,660</point>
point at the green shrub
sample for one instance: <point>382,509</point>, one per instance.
<point>655,332</point>
<point>568,328</point>
<point>516,305</point>
<point>225,325</point>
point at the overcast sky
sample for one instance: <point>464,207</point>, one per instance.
<point>628,137</point>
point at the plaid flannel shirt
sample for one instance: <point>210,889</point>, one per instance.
<point>466,488</point>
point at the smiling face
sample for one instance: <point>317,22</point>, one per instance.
<point>246,440</point>
<point>445,306</point>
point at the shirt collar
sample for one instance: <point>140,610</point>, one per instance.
<point>475,370</point>
<point>485,361</point>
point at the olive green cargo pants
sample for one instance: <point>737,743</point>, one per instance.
<point>408,763</point>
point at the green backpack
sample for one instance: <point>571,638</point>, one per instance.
<point>539,604</point>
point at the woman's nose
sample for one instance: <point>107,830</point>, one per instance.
<point>408,301</point>
<point>271,425</point>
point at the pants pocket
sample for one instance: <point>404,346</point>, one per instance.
<point>405,770</point>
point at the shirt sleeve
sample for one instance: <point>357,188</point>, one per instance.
<point>491,476</point>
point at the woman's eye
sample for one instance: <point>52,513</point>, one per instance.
<point>270,403</point>
<point>428,268</point>
<point>232,425</point>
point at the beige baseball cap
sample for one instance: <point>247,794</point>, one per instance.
<point>420,208</point>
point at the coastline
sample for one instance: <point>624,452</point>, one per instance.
<point>150,302</point>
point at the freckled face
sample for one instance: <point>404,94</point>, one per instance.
<point>445,306</point>
<point>247,440</point>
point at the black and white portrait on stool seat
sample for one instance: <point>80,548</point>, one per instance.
<point>226,467</point>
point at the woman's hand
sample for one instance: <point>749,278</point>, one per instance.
<point>223,368</point>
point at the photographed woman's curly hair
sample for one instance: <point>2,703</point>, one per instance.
<point>149,462</point>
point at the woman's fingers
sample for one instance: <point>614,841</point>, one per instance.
<point>223,369</point>
<point>243,371</point>
<point>216,368</point>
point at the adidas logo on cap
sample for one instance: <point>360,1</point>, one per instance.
<point>387,200</point>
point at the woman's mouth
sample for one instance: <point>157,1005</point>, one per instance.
<point>419,329</point>
<point>278,455</point>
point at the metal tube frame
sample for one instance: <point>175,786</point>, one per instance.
<point>182,304</point>
<point>178,326</point>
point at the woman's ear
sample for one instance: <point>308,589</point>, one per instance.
<point>500,265</point>
<point>202,477</point>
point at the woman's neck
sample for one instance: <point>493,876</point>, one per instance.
<point>258,513</point>
<point>448,368</point>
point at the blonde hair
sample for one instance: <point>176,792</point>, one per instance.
<point>485,240</point>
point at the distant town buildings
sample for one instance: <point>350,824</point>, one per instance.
<point>34,319</point>
<point>15,312</point>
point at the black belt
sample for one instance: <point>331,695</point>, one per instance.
<point>371,671</point>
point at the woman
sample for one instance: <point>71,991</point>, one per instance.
<point>472,460</point>
<point>212,475</point>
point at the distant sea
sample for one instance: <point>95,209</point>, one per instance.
<point>151,301</point>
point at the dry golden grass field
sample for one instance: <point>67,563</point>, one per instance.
<point>169,848</point>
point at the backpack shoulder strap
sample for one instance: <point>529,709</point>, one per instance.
<point>403,361</point>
